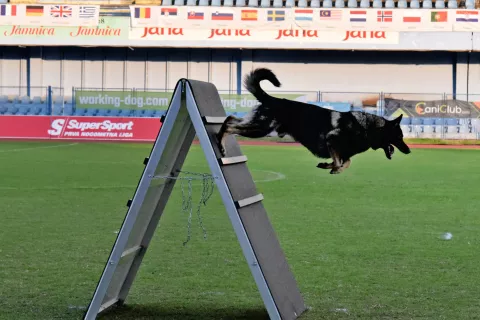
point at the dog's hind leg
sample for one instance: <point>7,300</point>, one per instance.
<point>254,128</point>
<point>346,163</point>
<point>332,143</point>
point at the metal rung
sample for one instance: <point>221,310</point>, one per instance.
<point>214,120</point>
<point>233,160</point>
<point>248,201</point>
<point>131,250</point>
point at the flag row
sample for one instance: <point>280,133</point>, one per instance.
<point>49,15</point>
<point>314,18</point>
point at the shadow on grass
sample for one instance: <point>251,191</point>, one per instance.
<point>143,312</point>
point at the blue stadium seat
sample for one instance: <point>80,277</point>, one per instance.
<point>417,121</point>
<point>240,3</point>
<point>228,3</point>
<point>4,99</point>
<point>339,4</point>
<point>11,109</point>
<point>406,121</point>
<point>57,110</point>
<point>277,3</point>
<point>352,3</point>
<point>452,122</point>
<point>428,121</point>
<point>439,4</point>
<point>166,2</point>
<point>377,3</point>
<point>191,3</point>
<point>68,109</point>
<point>203,3</point>
<point>290,3</point>
<point>103,112</point>
<point>302,4</point>
<point>327,3</point>
<point>149,113</point>
<point>179,2</point>
<point>253,3</point>
<point>80,111</point>
<point>414,4</point>
<point>470,4</point>
<point>402,4</point>
<point>389,4</point>
<point>427,4</point>
<point>114,112</point>
<point>25,100</point>
<point>139,113</point>
<point>364,3</point>
<point>265,3</point>
<point>91,112</point>
<point>315,4</point>
<point>3,109</point>
<point>23,109</point>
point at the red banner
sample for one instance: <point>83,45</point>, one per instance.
<point>79,128</point>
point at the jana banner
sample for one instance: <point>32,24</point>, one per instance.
<point>79,128</point>
<point>161,100</point>
<point>49,15</point>
<point>431,109</point>
<point>305,18</point>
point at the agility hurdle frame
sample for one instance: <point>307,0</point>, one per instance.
<point>196,108</point>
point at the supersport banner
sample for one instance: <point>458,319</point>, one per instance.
<point>79,128</point>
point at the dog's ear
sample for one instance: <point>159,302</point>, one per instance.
<point>397,121</point>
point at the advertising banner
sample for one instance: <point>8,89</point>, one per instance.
<point>260,19</point>
<point>79,128</point>
<point>431,109</point>
<point>49,15</point>
<point>161,100</point>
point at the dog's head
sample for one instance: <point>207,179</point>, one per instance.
<point>393,136</point>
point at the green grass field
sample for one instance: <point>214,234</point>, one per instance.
<point>365,244</point>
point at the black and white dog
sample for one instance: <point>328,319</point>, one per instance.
<point>325,133</point>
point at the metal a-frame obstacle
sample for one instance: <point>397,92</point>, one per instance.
<point>196,108</point>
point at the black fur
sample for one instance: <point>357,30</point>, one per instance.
<point>325,133</point>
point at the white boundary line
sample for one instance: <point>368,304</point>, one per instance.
<point>42,147</point>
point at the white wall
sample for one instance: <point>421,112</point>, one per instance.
<point>160,68</point>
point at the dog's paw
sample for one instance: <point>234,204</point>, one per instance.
<point>335,171</point>
<point>324,165</point>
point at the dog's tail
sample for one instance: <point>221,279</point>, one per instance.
<point>253,79</point>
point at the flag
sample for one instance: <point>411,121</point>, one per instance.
<point>303,14</point>
<point>87,12</point>
<point>384,16</point>
<point>223,16</point>
<point>467,16</point>
<point>34,11</point>
<point>412,16</point>
<point>358,16</point>
<point>8,10</point>
<point>192,15</point>
<point>168,12</point>
<point>249,15</point>
<point>276,15</point>
<point>438,16</point>
<point>61,11</point>
<point>142,13</point>
<point>330,15</point>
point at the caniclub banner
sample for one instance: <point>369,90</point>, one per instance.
<point>432,108</point>
<point>146,100</point>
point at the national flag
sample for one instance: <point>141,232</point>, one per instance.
<point>412,16</point>
<point>303,14</point>
<point>438,16</point>
<point>8,10</point>
<point>87,12</point>
<point>168,12</point>
<point>384,16</point>
<point>330,15</point>
<point>249,15</point>
<point>34,11</point>
<point>61,11</point>
<point>358,16</point>
<point>192,15</point>
<point>223,16</point>
<point>467,16</point>
<point>142,13</point>
<point>276,15</point>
